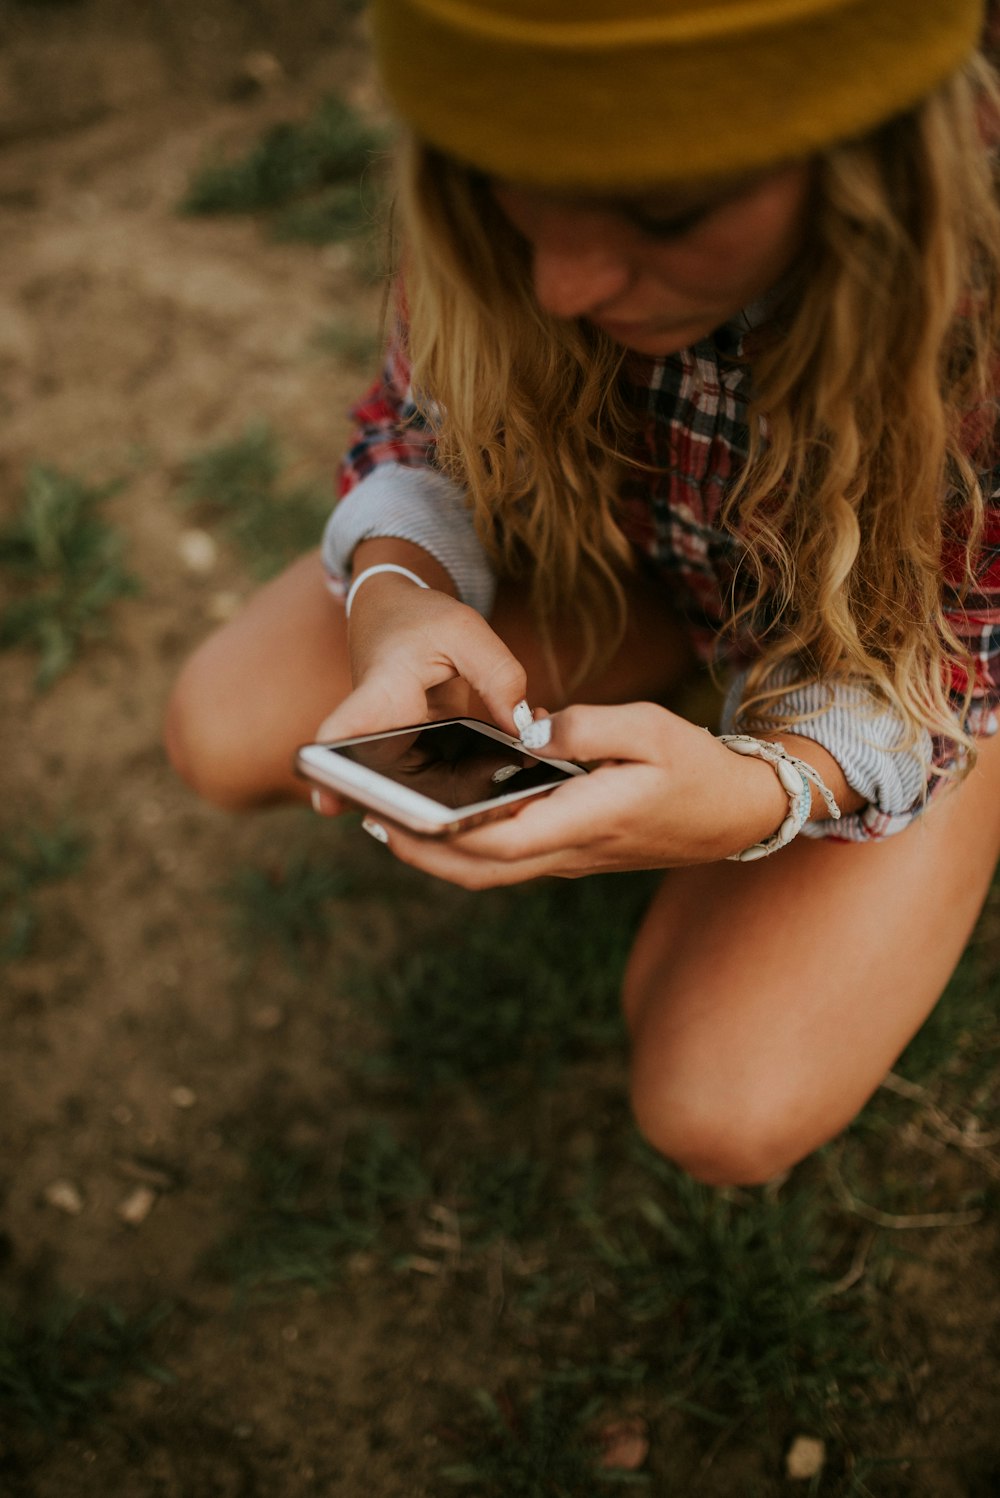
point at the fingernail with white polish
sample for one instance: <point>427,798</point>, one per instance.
<point>375,829</point>
<point>316,797</point>
<point>537,735</point>
<point>523,716</point>
<point>504,773</point>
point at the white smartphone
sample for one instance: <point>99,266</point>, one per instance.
<point>435,778</point>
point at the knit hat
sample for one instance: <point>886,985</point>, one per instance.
<point>631,93</point>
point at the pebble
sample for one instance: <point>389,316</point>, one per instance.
<point>65,1197</point>
<point>137,1206</point>
<point>624,1444</point>
<point>335,257</point>
<point>805,1458</point>
<point>197,550</point>
<point>258,71</point>
<point>183,1097</point>
<point>222,606</point>
<point>122,1114</point>
<point>267,1017</point>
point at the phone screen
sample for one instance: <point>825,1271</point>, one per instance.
<point>453,764</point>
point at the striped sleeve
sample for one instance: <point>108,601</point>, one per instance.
<point>863,736</point>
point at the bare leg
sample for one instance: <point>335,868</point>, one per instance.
<point>767,1001</point>
<point>263,682</point>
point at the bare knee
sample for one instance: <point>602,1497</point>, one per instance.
<point>718,1118</point>
<point>202,740</point>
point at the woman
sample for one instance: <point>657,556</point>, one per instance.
<point>694,361</point>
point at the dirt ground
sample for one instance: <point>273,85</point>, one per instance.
<point>129,338</point>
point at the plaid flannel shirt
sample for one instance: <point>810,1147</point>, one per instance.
<point>693,436</point>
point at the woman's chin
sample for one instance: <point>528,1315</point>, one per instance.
<point>656,342</point>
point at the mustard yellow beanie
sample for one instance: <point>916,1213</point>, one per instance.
<point>623,93</point>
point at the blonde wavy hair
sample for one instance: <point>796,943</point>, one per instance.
<point>860,466</point>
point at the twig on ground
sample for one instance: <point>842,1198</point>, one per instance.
<point>897,1221</point>
<point>855,1272</point>
<point>968,1137</point>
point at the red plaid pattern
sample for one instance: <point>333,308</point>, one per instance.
<point>694,435</point>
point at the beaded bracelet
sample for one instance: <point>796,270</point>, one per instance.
<point>797,779</point>
<point>371,572</point>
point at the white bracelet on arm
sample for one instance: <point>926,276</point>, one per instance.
<point>797,778</point>
<point>363,577</point>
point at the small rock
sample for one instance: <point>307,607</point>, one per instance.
<point>65,1197</point>
<point>257,72</point>
<point>121,1113</point>
<point>148,1173</point>
<point>222,606</point>
<point>335,257</point>
<point>243,1431</point>
<point>267,1017</point>
<point>624,1444</point>
<point>183,1097</point>
<point>805,1458</point>
<point>137,1206</point>
<point>151,813</point>
<point>290,1333</point>
<point>197,550</point>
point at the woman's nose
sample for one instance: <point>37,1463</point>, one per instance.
<point>574,280</point>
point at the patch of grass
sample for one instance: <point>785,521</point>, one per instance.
<point>302,1218</point>
<point>532,981</point>
<point>59,1365</point>
<point>540,1449</point>
<point>737,1290</point>
<point>502,1196</point>
<point>301,163</point>
<point>63,568</point>
<point>335,214</point>
<point>287,908</point>
<point>237,485</point>
<point>29,858</point>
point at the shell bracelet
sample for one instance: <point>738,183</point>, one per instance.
<point>797,779</point>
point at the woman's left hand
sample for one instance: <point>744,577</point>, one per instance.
<point>662,793</point>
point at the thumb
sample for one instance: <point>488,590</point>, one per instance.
<point>383,699</point>
<point>634,731</point>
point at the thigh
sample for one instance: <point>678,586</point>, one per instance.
<point>767,1001</point>
<point>262,683</point>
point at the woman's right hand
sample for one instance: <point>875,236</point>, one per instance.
<point>418,654</point>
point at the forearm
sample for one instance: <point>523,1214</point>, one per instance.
<point>378,550</point>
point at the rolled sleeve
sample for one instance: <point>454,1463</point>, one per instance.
<point>411,504</point>
<point>863,736</point>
